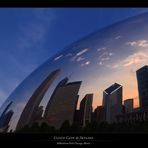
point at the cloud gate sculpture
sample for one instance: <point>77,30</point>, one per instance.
<point>92,79</point>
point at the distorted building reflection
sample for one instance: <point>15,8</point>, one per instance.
<point>86,109</point>
<point>129,105</point>
<point>77,117</point>
<point>141,113</point>
<point>37,116</point>
<point>62,104</point>
<point>99,114</point>
<point>31,107</point>
<point>112,102</point>
<point>142,78</point>
<point>5,118</point>
<point>61,83</point>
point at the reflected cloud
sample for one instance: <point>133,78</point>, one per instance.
<point>100,63</point>
<point>115,66</point>
<point>80,59</point>
<point>82,52</point>
<point>68,55</point>
<point>106,54</point>
<point>104,57</point>
<point>59,57</point>
<point>117,37</point>
<point>139,43</point>
<point>86,63</point>
<point>101,49</point>
<point>136,58</point>
<point>77,56</point>
<point>133,43</point>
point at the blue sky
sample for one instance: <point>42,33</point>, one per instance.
<point>29,36</point>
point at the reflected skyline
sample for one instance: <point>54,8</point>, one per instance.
<point>63,103</point>
<point>33,103</point>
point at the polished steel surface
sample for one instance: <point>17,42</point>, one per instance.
<point>111,55</point>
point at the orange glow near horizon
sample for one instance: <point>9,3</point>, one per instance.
<point>98,102</point>
<point>123,74</point>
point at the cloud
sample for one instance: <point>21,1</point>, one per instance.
<point>104,57</point>
<point>31,35</point>
<point>106,54</point>
<point>136,58</point>
<point>133,71</point>
<point>143,43</point>
<point>58,57</point>
<point>31,32</point>
<point>80,59</point>
<point>86,63</point>
<point>34,30</point>
<point>100,63</point>
<point>133,59</point>
<point>68,55</point>
<point>115,66</point>
<point>82,52</point>
<point>78,56</point>
<point>117,37</point>
<point>133,43</point>
<point>139,43</point>
<point>101,49</point>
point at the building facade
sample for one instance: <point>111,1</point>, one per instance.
<point>63,104</point>
<point>29,112</point>
<point>129,105</point>
<point>112,102</point>
<point>86,109</point>
<point>99,114</point>
<point>142,79</point>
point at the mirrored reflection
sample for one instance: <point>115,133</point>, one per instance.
<point>6,117</point>
<point>32,107</point>
<point>87,81</point>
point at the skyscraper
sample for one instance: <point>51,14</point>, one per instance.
<point>77,117</point>
<point>33,103</point>
<point>128,104</point>
<point>99,115</point>
<point>62,104</point>
<point>86,109</point>
<point>60,84</point>
<point>142,79</point>
<point>112,102</point>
